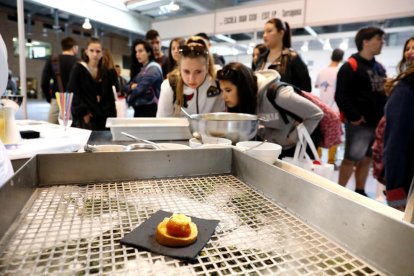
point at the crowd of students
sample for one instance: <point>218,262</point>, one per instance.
<point>191,77</point>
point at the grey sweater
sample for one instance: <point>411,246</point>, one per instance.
<point>275,130</point>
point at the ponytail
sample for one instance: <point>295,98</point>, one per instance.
<point>283,26</point>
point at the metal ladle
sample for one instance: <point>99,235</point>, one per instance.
<point>255,146</point>
<point>198,136</point>
<point>195,134</point>
<point>155,145</point>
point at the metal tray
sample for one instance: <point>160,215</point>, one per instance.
<point>149,128</point>
<point>65,214</point>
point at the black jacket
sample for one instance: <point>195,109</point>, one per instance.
<point>66,62</point>
<point>291,68</point>
<point>85,99</point>
<point>360,92</point>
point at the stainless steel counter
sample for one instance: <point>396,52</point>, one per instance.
<point>67,212</point>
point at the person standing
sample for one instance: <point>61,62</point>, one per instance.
<point>173,52</point>
<point>93,97</point>
<point>398,137</point>
<point>280,56</point>
<point>144,89</point>
<point>153,37</point>
<point>258,50</point>
<point>326,82</point>
<point>121,80</point>
<point>219,60</point>
<point>360,96</point>
<point>56,73</point>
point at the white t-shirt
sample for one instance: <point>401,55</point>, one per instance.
<point>326,82</point>
<point>205,99</point>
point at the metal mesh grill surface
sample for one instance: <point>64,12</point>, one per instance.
<point>76,230</point>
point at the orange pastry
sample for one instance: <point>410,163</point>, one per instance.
<point>176,231</point>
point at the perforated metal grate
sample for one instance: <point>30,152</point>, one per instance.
<point>76,230</point>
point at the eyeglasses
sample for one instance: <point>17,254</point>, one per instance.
<point>196,50</point>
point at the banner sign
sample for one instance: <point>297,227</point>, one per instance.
<point>254,18</point>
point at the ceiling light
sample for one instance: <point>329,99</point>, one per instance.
<point>344,44</point>
<point>327,45</point>
<point>310,31</point>
<point>225,38</point>
<point>138,3</point>
<point>169,8</point>
<point>87,24</point>
<point>305,46</point>
<point>173,6</point>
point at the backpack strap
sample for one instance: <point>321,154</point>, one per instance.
<point>56,70</point>
<point>271,93</point>
<point>353,63</point>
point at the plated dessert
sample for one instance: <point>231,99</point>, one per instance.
<point>176,231</point>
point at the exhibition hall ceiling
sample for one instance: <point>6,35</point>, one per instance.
<point>155,10</point>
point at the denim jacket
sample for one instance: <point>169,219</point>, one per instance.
<point>148,82</point>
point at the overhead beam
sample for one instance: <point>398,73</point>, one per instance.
<point>101,13</point>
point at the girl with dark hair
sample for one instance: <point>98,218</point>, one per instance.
<point>239,87</point>
<point>247,92</point>
<point>192,84</point>
<point>281,57</point>
<point>93,99</point>
<point>399,131</point>
<point>173,52</point>
<point>144,89</point>
<point>258,50</point>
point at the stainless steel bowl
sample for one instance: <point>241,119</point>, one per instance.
<point>234,126</point>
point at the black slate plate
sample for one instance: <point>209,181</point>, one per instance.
<point>144,237</point>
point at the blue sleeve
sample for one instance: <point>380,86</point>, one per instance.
<point>399,133</point>
<point>145,80</point>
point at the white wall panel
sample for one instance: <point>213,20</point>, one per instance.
<point>327,12</point>
<point>185,26</point>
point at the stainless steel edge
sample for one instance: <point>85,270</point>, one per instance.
<point>366,228</point>
<point>15,194</point>
<point>72,168</point>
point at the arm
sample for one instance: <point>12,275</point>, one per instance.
<point>165,103</point>
<point>79,107</point>
<point>310,113</point>
<point>300,74</point>
<point>144,81</point>
<point>47,75</point>
<point>343,94</point>
<point>399,133</point>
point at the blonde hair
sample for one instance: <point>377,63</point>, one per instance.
<point>175,75</point>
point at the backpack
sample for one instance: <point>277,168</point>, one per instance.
<point>378,152</point>
<point>329,128</point>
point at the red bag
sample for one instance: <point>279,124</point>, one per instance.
<point>330,123</point>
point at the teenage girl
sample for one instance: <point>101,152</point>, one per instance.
<point>192,85</point>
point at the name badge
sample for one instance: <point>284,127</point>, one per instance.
<point>213,91</point>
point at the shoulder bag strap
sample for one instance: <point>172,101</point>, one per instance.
<point>56,70</point>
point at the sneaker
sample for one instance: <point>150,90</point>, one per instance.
<point>361,192</point>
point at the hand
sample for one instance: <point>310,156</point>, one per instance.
<point>359,122</point>
<point>87,118</point>
<point>133,85</point>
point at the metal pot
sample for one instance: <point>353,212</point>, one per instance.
<point>234,126</point>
